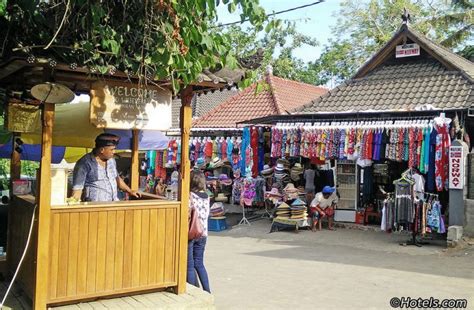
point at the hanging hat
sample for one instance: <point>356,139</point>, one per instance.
<point>274,192</point>
<point>280,167</point>
<point>221,197</point>
<point>328,190</point>
<point>298,165</point>
<point>296,172</point>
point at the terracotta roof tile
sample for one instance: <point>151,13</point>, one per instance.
<point>278,97</point>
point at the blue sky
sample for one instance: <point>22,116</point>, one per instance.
<point>315,21</point>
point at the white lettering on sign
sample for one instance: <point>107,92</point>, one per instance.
<point>456,167</point>
<point>407,50</point>
<point>127,106</point>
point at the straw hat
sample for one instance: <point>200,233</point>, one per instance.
<point>290,188</point>
<point>216,163</point>
<point>221,197</point>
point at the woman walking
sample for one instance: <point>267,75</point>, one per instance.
<point>200,201</point>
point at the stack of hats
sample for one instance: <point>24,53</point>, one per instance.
<point>216,163</point>
<point>284,162</point>
<point>200,164</point>
<point>298,210</point>
<point>281,173</point>
<point>296,172</point>
<point>225,180</point>
<point>217,210</point>
<point>283,211</point>
<point>267,171</point>
<point>290,191</point>
<point>273,195</point>
<point>221,197</point>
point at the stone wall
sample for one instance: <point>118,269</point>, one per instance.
<point>469,217</point>
<point>470,176</point>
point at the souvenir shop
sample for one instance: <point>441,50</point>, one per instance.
<point>391,172</point>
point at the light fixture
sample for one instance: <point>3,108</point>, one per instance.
<point>52,93</point>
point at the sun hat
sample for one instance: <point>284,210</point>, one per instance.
<point>216,163</point>
<point>328,190</point>
<point>221,197</point>
<point>290,188</point>
<point>267,170</point>
<point>273,192</point>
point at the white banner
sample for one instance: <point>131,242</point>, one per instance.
<point>456,167</point>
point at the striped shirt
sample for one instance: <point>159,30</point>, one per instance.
<point>96,182</point>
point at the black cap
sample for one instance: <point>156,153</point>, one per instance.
<point>106,139</point>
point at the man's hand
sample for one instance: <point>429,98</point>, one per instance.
<point>135,194</point>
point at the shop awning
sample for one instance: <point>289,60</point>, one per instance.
<point>32,152</point>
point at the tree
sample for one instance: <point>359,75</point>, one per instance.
<point>148,39</point>
<point>278,42</point>
<point>363,27</point>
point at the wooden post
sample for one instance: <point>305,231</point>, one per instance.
<point>135,166</point>
<point>15,162</point>
<point>44,209</point>
<point>185,124</point>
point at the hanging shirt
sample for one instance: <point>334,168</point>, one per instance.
<point>309,180</point>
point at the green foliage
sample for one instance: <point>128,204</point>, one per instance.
<point>160,39</point>
<point>365,26</point>
<point>278,41</point>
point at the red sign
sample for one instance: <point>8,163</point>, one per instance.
<point>456,167</point>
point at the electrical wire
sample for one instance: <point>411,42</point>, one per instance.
<point>21,259</point>
<point>271,14</point>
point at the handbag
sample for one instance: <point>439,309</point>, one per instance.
<point>195,227</point>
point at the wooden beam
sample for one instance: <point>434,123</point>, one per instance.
<point>135,165</point>
<point>44,210</point>
<point>15,164</point>
<point>186,120</point>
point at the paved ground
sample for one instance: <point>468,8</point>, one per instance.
<point>252,269</point>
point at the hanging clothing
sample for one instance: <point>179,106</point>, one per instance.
<point>243,150</point>
<point>254,146</point>
<point>404,203</point>
<point>442,157</point>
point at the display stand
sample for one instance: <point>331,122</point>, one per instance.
<point>413,241</point>
<point>267,214</point>
<point>244,220</point>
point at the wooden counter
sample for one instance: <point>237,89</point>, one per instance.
<point>106,249</point>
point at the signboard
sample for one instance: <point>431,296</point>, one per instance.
<point>407,50</point>
<point>456,167</point>
<point>120,105</point>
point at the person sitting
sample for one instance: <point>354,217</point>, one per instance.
<point>160,188</point>
<point>323,205</point>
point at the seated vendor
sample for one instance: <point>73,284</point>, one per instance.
<point>95,175</point>
<point>323,205</point>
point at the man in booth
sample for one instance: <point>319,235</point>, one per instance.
<point>95,175</point>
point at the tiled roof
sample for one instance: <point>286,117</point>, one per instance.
<point>398,87</point>
<point>278,96</point>
<point>204,103</point>
<point>437,79</point>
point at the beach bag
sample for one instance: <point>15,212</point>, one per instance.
<point>195,227</point>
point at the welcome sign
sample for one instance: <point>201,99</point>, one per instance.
<point>119,105</point>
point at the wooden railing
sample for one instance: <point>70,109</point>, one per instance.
<point>112,249</point>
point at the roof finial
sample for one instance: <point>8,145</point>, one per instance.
<point>406,16</point>
<point>269,70</point>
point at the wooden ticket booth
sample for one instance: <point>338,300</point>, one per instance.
<point>92,250</point>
